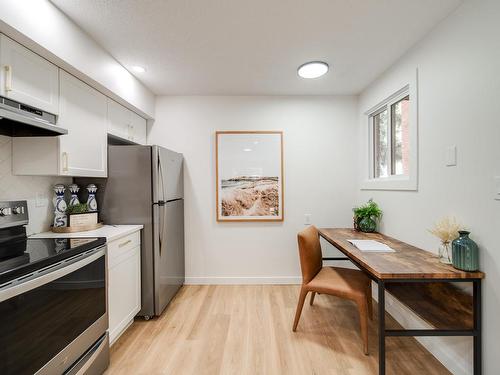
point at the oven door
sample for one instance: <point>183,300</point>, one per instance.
<point>51,318</point>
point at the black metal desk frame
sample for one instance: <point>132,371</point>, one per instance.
<point>383,332</point>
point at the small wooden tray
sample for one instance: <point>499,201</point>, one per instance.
<point>82,228</point>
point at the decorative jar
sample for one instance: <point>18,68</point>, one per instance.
<point>91,200</point>
<point>465,252</point>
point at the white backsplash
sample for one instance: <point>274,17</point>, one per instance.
<point>26,188</point>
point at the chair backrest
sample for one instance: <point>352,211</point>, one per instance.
<point>311,260</point>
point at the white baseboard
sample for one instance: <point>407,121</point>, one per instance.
<point>215,280</point>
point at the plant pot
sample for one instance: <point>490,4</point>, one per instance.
<point>367,225</point>
<point>355,220</point>
<point>465,253</point>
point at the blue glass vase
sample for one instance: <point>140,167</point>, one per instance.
<point>465,252</point>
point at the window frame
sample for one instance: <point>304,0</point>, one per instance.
<point>392,182</point>
<point>386,106</point>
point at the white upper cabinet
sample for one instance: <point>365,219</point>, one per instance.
<point>139,129</point>
<point>125,124</point>
<point>81,152</point>
<point>118,120</point>
<point>28,78</point>
<point>83,112</point>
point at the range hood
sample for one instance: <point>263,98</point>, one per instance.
<point>20,120</point>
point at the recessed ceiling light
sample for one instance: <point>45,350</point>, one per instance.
<point>313,69</point>
<point>247,149</point>
<point>138,69</point>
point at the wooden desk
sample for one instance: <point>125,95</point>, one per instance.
<point>408,264</point>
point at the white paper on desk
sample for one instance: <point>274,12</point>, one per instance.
<point>371,246</point>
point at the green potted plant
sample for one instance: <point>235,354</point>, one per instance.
<point>79,208</point>
<point>79,215</point>
<point>367,216</point>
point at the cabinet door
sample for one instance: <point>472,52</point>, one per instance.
<point>124,291</point>
<point>27,77</point>
<point>138,129</point>
<point>83,151</point>
<point>118,120</point>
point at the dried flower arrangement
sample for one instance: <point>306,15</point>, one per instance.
<point>446,230</point>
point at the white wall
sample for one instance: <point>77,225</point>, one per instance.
<point>43,28</point>
<point>319,179</point>
<point>459,91</point>
<point>26,188</point>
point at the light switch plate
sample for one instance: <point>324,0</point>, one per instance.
<point>496,191</point>
<point>451,156</point>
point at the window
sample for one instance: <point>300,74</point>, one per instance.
<point>391,140</point>
<point>391,131</point>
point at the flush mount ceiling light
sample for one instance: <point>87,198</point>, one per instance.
<point>138,69</point>
<point>313,69</point>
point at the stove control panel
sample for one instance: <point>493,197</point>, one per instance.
<point>13,213</point>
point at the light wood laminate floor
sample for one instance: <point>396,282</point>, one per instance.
<point>248,330</point>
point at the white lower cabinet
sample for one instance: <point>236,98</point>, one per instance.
<point>124,283</point>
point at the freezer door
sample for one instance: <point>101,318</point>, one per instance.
<point>168,179</point>
<point>169,251</point>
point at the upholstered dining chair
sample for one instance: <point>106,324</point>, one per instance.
<point>340,282</point>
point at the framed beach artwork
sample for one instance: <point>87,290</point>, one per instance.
<point>249,175</point>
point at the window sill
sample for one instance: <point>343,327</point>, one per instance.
<point>405,183</point>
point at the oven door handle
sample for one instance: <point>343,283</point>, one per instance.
<point>44,276</point>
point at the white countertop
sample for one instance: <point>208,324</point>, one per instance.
<point>111,232</point>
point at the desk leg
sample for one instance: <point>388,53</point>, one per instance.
<point>477,326</point>
<point>381,327</point>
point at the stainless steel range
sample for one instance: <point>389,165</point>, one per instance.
<point>53,301</point>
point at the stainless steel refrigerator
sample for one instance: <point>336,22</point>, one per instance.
<point>145,186</point>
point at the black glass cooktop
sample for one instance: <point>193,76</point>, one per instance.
<point>21,256</point>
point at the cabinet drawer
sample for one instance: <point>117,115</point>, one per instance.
<point>122,245</point>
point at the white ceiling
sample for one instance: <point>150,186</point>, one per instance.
<point>253,47</point>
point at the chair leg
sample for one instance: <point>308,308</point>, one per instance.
<point>311,301</point>
<point>369,300</point>
<point>363,320</point>
<point>300,304</point>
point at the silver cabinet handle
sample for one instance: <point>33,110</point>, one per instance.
<point>65,161</point>
<point>8,78</point>
<point>125,243</point>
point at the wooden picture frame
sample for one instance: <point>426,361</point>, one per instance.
<point>249,176</point>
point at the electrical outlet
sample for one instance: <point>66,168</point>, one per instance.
<point>451,156</point>
<point>41,200</point>
<point>307,219</point>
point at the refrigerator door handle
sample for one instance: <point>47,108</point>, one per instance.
<point>161,204</point>
<point>160,172</point>
<point>162,214</point>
